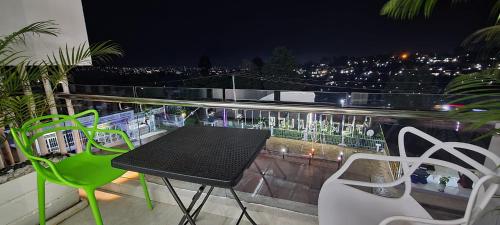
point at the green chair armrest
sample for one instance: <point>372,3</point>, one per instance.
<point>32,123</point>
<point>122,134</point>
<point>54,170</point>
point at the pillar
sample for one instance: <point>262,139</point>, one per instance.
<point>7,152</point>
<point>49,93</point>
<point>71,111</point>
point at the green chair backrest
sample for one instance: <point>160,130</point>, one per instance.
<point>27,134</point>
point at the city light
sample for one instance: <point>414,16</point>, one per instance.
<point>404,56</point>
<point>356,73</point>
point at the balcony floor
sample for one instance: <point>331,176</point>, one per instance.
<point>125,210</point>
<point>294,181</point>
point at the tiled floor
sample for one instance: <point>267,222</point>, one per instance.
<point>127,210</point>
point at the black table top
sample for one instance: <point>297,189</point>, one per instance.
<point>213,156</point>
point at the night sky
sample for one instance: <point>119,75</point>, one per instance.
<point>155,33</point>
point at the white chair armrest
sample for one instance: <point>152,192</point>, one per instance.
<point>405,178</point>
<point>336,176</point>
<point>357,156</point>
<point>391,219</point>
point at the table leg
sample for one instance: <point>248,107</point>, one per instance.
<point>263,175</point>
<point>198,209</point>
<point>193,202</point>
<point>178,200</point>
<point>242,208</point>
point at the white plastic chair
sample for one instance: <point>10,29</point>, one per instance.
<point>340,204</point>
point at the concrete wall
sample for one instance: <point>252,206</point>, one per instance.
<point>68,14</point>
<point>18,197</point>
<point>18,200</point>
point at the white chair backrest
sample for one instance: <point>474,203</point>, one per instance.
<point>485,185</point>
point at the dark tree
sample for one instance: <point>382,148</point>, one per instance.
<point>281,64</point>
<point>340,60</point>
<point>309,64</point>
<point>326,60</point>
<point>246,65</point>
<point>204,65</point>
<point>257,65</point>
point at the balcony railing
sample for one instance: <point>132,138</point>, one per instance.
<point>312,132</point>
<point>401,101</point>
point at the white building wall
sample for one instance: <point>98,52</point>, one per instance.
<point>18,197</point>
<point>68,14</point>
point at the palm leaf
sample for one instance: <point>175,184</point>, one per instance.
<point>409,9</point>
<point>475,83</point>
<point>482,91</point>
<point>486,40</point>
<point>495,11</point>
<point>37,28</point>
<point>8,52</point>
<point>59,66</point>
<point>17,107</point>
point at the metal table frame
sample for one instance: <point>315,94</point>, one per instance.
<point>191,217</point>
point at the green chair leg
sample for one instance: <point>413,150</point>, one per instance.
<point>145,188</point>
<point>41,199</point>
<point>94,206</point>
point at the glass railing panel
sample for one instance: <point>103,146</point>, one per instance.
<point>249,95</point>
<point>339,99</point>
<point>109,90</point>
<point>179,93</point>
<point>398,101</point>
<point>334,98</point>
<point>409,101</point>
<point>305,147</point>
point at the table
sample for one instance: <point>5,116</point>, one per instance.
<point>210,156</point>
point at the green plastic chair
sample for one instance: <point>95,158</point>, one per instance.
<point>84,170</point>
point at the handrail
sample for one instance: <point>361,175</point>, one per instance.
<point>267,106</point>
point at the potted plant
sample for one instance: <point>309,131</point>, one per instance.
<point>443,181</point>
<point>22,81</point>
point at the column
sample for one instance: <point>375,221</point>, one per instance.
<point>28,92</point>
<point>7,152</point>
<point>49,93</point>
<point>71,111</point>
